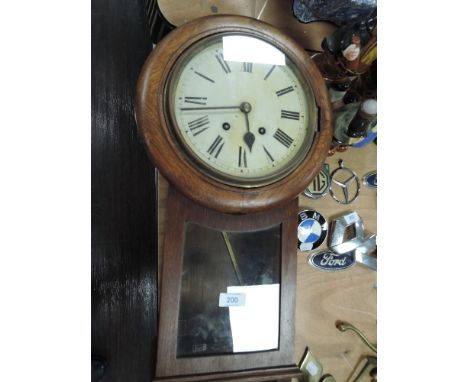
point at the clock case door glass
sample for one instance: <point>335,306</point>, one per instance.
<point>230,291</point>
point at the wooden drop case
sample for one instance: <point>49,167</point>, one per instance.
<point>220,237</point>
<point>264,246</point>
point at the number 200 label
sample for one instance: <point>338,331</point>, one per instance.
<point>231,299</point>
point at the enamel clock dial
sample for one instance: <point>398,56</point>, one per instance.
<point>234,114</point>
<point>245,123</point>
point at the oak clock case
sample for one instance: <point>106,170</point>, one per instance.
<point>238,137</point>
<point>186,166</point>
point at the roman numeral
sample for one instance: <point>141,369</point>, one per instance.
<point>197,124</point>
<point>242,157</point>
<point>247,67</point>
<point>203,76</point>
<point>217,146</point>
<point>268,154</point>
<point>284,91</point>
<point>196,100</point>
<point>290,114</point>
<point>223,63</point>
<point>283,138</point>
<point>269,72</point>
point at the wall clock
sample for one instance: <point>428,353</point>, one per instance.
<point>237,118</point>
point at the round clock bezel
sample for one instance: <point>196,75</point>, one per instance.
<point>164,147</point>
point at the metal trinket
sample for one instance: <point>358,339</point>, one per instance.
<point>311,368</point>
<point>311,231</point>
<point>345,326</point>
<point>366,371</point>
<point>345,185</point>
<point>320,185</point>
<point>370,179</point>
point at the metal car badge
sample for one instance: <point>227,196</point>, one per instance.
<point>311,231</point>
<point>347,237</point>
<point>346,184</point>
<point>340,241</point>
<point>370,179</point>
<point>367,253</point>
<point>320,185</point>
<point>330,261</point>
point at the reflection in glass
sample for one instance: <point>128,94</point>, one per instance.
<point>249,49</point>
<point>220,263</point>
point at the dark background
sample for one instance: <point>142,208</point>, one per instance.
<point>124,234</point>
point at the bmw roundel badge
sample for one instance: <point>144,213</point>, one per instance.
<point>311,231</point>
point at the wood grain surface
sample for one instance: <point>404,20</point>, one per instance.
<point>123,226</point>
<point>323,298</point>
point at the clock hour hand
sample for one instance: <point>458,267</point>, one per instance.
<point>249,138</point>
<point>210,108</point>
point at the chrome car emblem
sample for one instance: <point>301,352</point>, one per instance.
<point>320,185</point>
<point>330,261</point>
<point>338,240</point>
<point>311,231</point>
<point>364,254</point>
<point>346,184</point>
<point>370,179</point>
<point>348,237</point>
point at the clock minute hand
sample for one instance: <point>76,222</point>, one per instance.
<point>210,108</point>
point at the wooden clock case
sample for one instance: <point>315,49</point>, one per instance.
<point>171,160</point>
<point>197,197</point>
<point>256,366</point>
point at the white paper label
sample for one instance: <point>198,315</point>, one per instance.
<point>231,299</point>
<point>255,326</point>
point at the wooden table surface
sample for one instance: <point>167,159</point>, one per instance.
<point>323,298</point>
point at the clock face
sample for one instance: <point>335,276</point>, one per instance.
<point>240,109</point>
